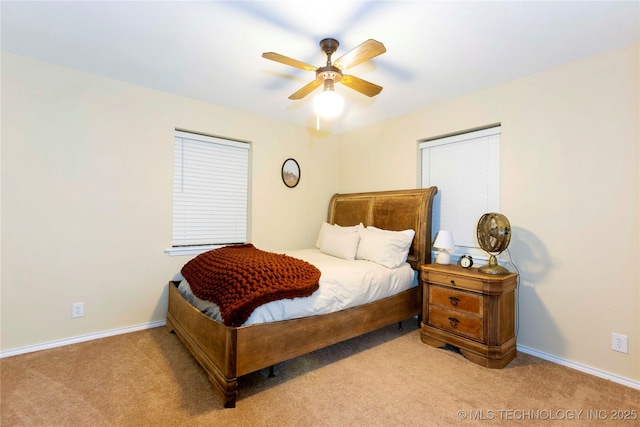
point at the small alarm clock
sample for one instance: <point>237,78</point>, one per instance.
<point>466,261</point>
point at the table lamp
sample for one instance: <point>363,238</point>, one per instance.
<point>444,242</point>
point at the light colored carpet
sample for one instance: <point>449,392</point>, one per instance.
<point>385,378</point>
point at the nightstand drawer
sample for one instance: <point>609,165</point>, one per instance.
<point>454,280</point>
<point>457,322</point>
<point>456,300</point>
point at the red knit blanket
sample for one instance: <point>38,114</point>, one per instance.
<point>240,278</point>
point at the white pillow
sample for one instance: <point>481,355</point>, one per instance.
<point>326,225</point>
<point>340,243</point>
<point>323,227</point>
<point>387,248</point>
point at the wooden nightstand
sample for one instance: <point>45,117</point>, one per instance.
<point>471,311</point>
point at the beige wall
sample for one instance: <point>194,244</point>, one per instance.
<point>87,168</point>
<point>86,196</point>
<point>569,186</point>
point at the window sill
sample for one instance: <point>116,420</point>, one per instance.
<point>190,250</point>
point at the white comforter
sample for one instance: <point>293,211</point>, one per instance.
<point>343,284</point>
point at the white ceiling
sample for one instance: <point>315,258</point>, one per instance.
<point>211,50</point>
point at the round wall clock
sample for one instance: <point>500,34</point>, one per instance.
<point>290,173</point>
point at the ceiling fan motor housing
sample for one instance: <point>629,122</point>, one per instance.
<point>328,73</point>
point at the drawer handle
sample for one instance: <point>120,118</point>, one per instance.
<point>453,322</point>
<point>453,282</point>
<point>454,301</point>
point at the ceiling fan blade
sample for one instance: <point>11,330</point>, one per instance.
<point>362,86</point>
<point>306,90</point>
<point>288,61</point>
<point>362,53</point>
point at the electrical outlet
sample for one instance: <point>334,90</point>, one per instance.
<point>77,309</point>
<point>619,343</point>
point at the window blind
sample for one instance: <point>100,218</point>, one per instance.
<point>210,190</point>
<point>466,170</point>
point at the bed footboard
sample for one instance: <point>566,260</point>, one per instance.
<point>227,352</point>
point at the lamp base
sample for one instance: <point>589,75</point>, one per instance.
<point>443,257</point>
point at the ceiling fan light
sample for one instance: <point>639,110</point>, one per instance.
<point>328,104</point>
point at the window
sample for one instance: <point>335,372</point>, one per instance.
<point>466,170</point>
<point>210,192</point>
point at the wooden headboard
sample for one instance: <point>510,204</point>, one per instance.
<point>390,210</point>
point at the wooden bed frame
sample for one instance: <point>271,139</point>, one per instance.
<point>227,353</point>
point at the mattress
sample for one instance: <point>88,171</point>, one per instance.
<point>343,284</point>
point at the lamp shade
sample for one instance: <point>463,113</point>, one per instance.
<point>328,104</point>
<point>444,240</point>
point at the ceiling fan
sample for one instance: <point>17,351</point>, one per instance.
<point>332,72</point>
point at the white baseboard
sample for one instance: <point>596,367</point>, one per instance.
<point>82,338</point>
<point>583,368</point>
<point>60,343</point>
